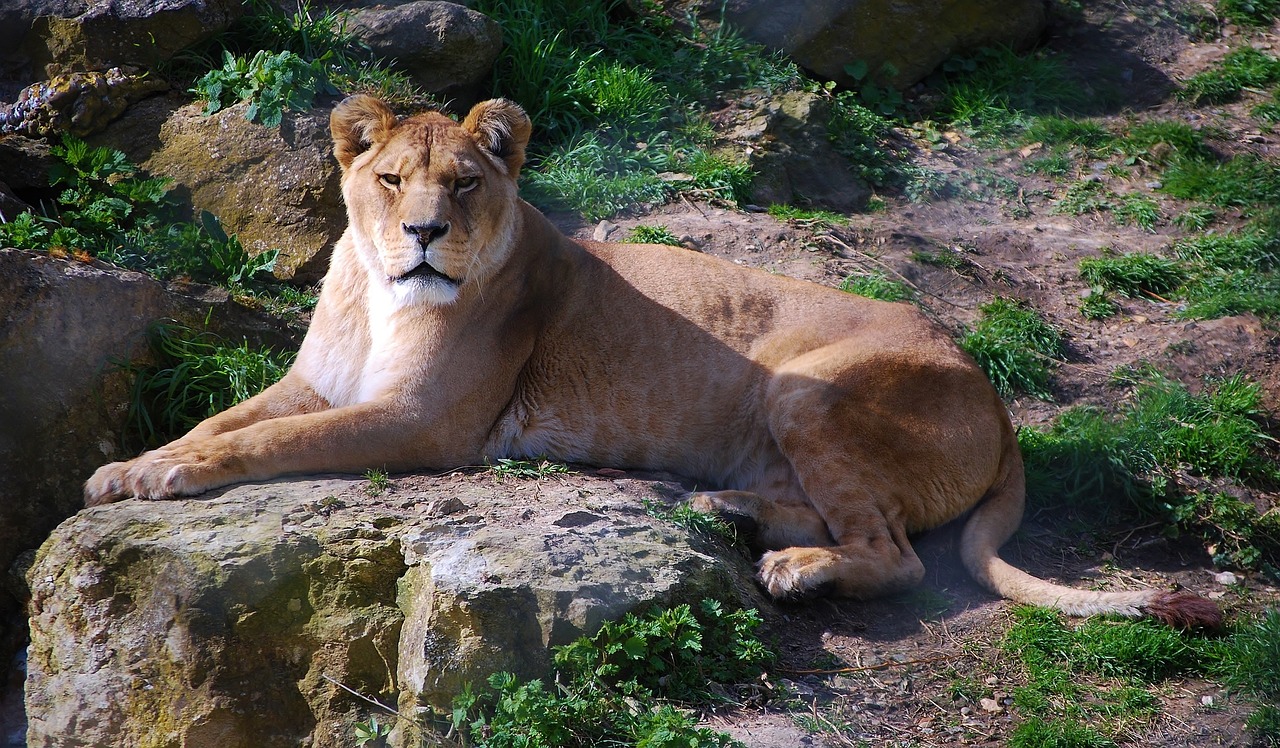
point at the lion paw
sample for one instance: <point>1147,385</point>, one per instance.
<point>795,572</point>
<point>175,470</point>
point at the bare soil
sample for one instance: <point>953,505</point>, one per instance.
<point>877,673</point>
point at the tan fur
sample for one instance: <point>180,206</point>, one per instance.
<point>836,424</point>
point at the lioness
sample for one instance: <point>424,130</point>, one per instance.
<point>456,324</point>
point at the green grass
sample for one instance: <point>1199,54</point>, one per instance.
<point>1054,130</point>
<point>624,686</point>
<point>1238,182</point>
<point>1057,164</point>
<point>1093,197</point>
<point>195,375</point>
<point>1136,274</point>
<point>807,216</point>
<point>1241,68</point>
<point>999,91</point>
<point>1249,12</point>
<point>1212,275</point>
<point>616,100</point>
<point>1015,346</point>
<point>1088,684</point>
<point>700,523</point>
<point>1098,305</point>
<point>1157,141</point>
<point>1152,455</point>
<point>377,482</point>
<point>652,235</point>
<point>876,286</point>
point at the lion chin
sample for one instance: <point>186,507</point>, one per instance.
<point>457,324</point>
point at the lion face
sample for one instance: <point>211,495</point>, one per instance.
<point>431,203</point>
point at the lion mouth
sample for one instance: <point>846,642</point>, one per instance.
<point>424,271</point>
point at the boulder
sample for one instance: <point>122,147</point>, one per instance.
<point>242,618</point>
<point>913,36</point>
<point>446,48</point>
<point>63,404</point>
<point>97,34</point>
<point>274,187</point>
<point>75,103</point>
<point>785,139</point>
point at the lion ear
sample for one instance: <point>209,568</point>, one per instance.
<point>356,123</point>
<point>502,128</point>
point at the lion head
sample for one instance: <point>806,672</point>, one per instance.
<point>431,203</point>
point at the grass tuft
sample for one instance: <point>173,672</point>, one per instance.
<point>876,286</point>
<point>652,235</point>
<point>1134,274</point>
<point>1015,346</point>
<point>196,375</point>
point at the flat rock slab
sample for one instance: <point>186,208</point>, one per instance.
<point>231,619</point>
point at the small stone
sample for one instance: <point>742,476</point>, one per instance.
<point>1226,578</point>
<point>1206,700</point>
<point>603,230</point>
<point>990,705</point>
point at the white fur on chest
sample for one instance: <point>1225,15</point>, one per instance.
<point>388,341</point>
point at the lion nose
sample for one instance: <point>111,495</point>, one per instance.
<point>426,232</point>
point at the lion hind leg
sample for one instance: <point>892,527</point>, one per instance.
<point>862,567</point>
<point>769,524</point>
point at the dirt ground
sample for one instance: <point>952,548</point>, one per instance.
<point>876,673</point>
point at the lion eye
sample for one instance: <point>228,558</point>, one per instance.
<point>463,184</point>
<point>391,180</point>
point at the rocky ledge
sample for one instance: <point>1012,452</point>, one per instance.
<point>241,618</point>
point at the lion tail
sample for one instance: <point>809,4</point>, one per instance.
<point>995,520</point>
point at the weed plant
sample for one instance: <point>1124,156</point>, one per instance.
<point>270,82</point>
<point>195,375</point>
<point>867,140</point>
<point>107,210</point>
<point>1015,346</point>
<point>624,685</point>
<point>509,469</point>
<point>278,61</point>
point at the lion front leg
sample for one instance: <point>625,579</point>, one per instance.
<point>141,476</point>
<point>349,439</point>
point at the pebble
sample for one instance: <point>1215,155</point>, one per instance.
<point>1226,578</point>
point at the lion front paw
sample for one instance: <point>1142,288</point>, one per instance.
<point>106,485</point>
<point>175,470</point>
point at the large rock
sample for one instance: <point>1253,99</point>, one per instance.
<point>446,48</point>
<point>913,36</point>
<point>785,139</point>
<point>63,402</point>
<point>97,34</point>
<point>230,620</point>
<point>274,187</point>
